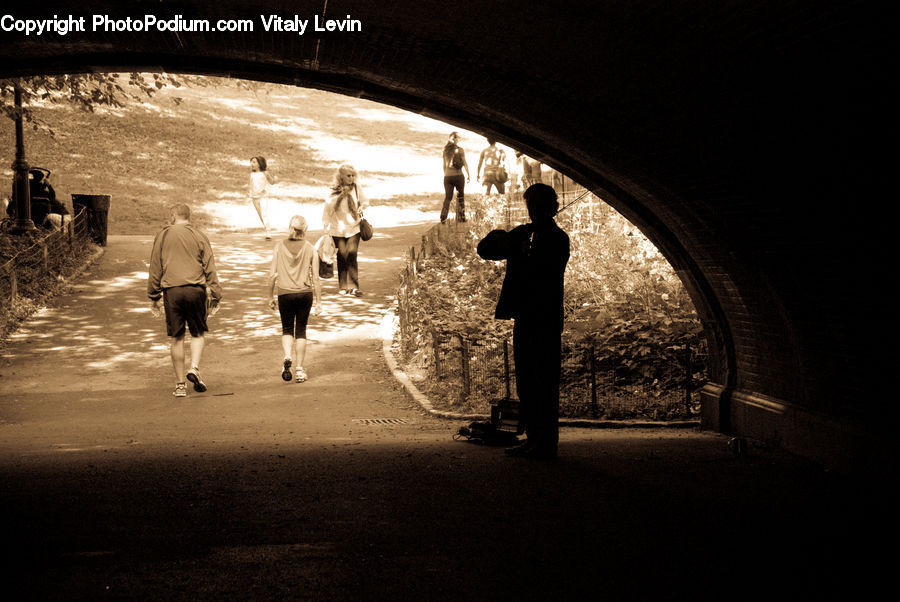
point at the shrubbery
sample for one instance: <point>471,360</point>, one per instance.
<point>35,285</point>
<point>624,300</point>
<point>625,307</point>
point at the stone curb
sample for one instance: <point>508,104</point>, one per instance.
<point>387,339</point>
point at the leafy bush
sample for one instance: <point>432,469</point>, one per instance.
<point>36,286</point>
<point>626,311</point>
<point>623,299</point>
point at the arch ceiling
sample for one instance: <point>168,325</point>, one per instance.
<point>737,135</point>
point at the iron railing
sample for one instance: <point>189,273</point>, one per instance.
<point>50,256</point>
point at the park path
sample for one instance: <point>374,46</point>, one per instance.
<point>264,490</point>
<point>95,370</point>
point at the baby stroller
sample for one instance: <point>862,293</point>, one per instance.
<point>46,211</point>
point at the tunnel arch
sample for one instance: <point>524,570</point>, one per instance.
<point>699,290</point>
<point>717,130</point>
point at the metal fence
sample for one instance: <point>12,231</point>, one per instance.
<point>50,256</point>
<point>470,372</point>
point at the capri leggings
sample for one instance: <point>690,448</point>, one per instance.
<point>294,309</point>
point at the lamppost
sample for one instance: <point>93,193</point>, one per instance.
<point>22,193</point>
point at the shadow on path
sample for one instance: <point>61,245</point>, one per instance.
<point>260,489</point>
<point>101,336</point>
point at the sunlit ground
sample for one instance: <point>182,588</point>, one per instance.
<point>388,167</point>
<point>197,150</point>
<point>399,168</point>
<point>102,337</point>
<point>240,215</point>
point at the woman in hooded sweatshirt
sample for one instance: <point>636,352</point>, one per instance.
<point>294,279</point>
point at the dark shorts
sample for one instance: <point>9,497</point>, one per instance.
<point>294,309</point>
<point>185,305</point>
<point>492,178</point>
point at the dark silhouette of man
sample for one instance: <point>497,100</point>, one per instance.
<point>532,294</point>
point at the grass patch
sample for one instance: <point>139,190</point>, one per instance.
<point>193,144</point>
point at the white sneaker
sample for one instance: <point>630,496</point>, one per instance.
<point>193,375</point>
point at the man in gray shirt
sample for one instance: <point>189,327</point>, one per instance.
<point>182,268</point>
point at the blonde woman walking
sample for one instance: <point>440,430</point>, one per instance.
<point>340,218</point>
<point>294,279</point>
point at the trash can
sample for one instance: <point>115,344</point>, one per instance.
<point>97,207</point>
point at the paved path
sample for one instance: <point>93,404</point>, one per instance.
<point>259,489</point>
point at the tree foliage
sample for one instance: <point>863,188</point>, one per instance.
<point>85,90</point>
<point>620,287</point>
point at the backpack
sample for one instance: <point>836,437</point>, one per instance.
<point>327,252</point>
<point>495,157</point>
<point>457,161</point>
<point>326,249</point>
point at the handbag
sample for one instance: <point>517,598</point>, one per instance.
<point>365,229</point>
<point>502,176</point>
<point>327,252</point>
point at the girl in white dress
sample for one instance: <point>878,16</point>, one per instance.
<point>260,179</point>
